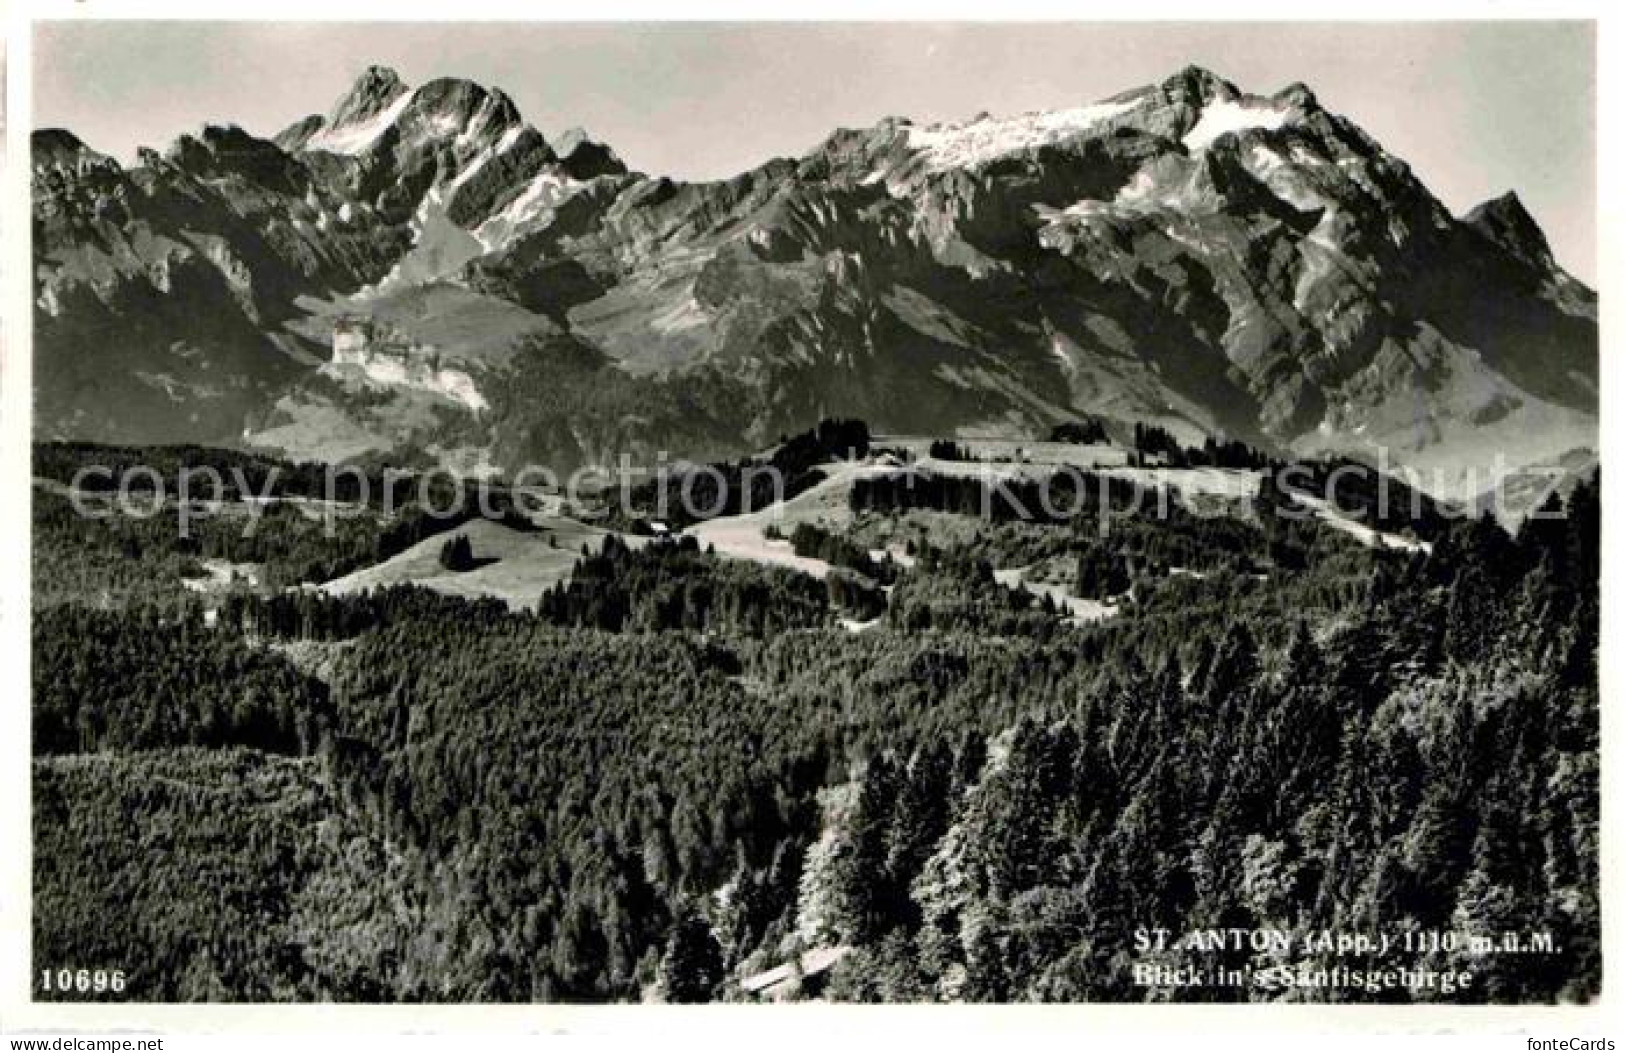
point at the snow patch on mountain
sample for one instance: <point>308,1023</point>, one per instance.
<point>1145,191</point>
<point>1222,116</point>
<point>509,138</point>
<point>544,192</point>
<point>1057,221</point>
<point>359,137</point>
<point>1086,208</point>
<point>1288,177</point>
<point>478,128</point>
<point>974,142</point>
<point>487,155</point>
<point>685,314</point>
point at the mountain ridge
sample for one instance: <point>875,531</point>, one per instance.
<point>1184,252</point>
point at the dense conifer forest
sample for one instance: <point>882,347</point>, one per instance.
<point>678,769</point>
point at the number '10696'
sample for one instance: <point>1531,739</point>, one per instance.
<point>82,981</point>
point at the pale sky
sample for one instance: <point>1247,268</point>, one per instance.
<point>1476,108</point>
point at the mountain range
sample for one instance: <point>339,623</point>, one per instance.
<point>420,271</point>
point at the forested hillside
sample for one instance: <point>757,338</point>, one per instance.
<point>679,769</point>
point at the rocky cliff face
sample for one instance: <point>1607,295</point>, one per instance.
<point>1186,252</point>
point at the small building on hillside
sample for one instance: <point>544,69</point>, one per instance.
<point>796,979</point>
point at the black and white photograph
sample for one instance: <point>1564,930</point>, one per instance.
<point>656,513</point>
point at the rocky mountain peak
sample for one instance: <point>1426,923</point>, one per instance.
<point>219,150</point>
<point>57,149</point>
<point>376,88</point>
<point>1505,221</point>
<point>294,137</point>
<point>215,139</point>
<point>357,119</point>
<point>583,157</point>
<point>1297,94</point>
<point>1197,86</point>
<point>454,97</point>
<point>469,116</point>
